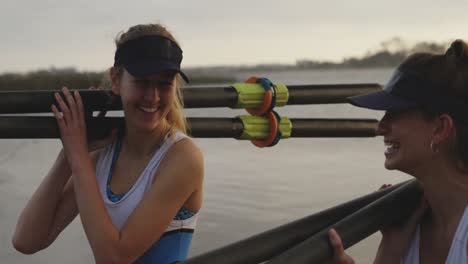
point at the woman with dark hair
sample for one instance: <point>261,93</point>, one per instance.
<point>138,197</point>
<point>425,130</point>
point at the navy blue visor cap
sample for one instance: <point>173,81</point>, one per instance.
<point>407,90</point>
<point>148,55</point>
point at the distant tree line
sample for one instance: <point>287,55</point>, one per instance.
<point>54,79</point>
<point>391,53</point>
<point>50,79</point>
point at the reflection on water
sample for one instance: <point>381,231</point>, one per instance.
<point>247,190</point>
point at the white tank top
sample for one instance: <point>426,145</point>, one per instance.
<point>458,253</point>
<point>120,211</point>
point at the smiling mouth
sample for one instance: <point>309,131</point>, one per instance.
<point>149,109</point>
<point>392,147</point>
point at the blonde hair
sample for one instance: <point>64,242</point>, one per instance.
<point>175,117</point>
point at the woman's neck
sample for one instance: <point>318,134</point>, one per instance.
<point>144,143</point>
<point>446,190</point>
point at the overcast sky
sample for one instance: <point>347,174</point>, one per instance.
<point>44,33</point>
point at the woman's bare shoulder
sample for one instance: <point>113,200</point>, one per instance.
<point>184,156</point>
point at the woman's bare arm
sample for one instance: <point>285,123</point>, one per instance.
<point>48,211</point>
<point>179,176</point>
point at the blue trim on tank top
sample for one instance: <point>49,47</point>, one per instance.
<point>110,194</point>
<point>182,214</point>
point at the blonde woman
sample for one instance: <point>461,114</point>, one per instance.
<point>138,197</point>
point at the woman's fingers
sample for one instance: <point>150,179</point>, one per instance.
<point>59,117</point>
<point>71,102</point>
<point>72,110</point>
<point>336,242</point>
<point>339,256</point>
<point>385,186</point>
<point>63,107</point>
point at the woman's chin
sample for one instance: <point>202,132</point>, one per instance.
<point>390,164</point>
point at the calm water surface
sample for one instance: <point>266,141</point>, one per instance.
<point>247,190</point>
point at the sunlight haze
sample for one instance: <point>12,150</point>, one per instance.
<point>44,34</point>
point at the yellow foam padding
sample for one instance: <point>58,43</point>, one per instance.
<point>258,127</point>
<point>250,95</point>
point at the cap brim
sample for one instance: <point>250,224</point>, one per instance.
<point>381,100</point>
<point>141,69</point>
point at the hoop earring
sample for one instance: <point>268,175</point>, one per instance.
<point>433,147</point>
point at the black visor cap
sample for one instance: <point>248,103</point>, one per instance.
<point>403,91</point>
<point>148,55</point>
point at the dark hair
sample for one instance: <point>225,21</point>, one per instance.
<point>450,72</point>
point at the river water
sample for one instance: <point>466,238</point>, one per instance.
<point>247,190</point>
